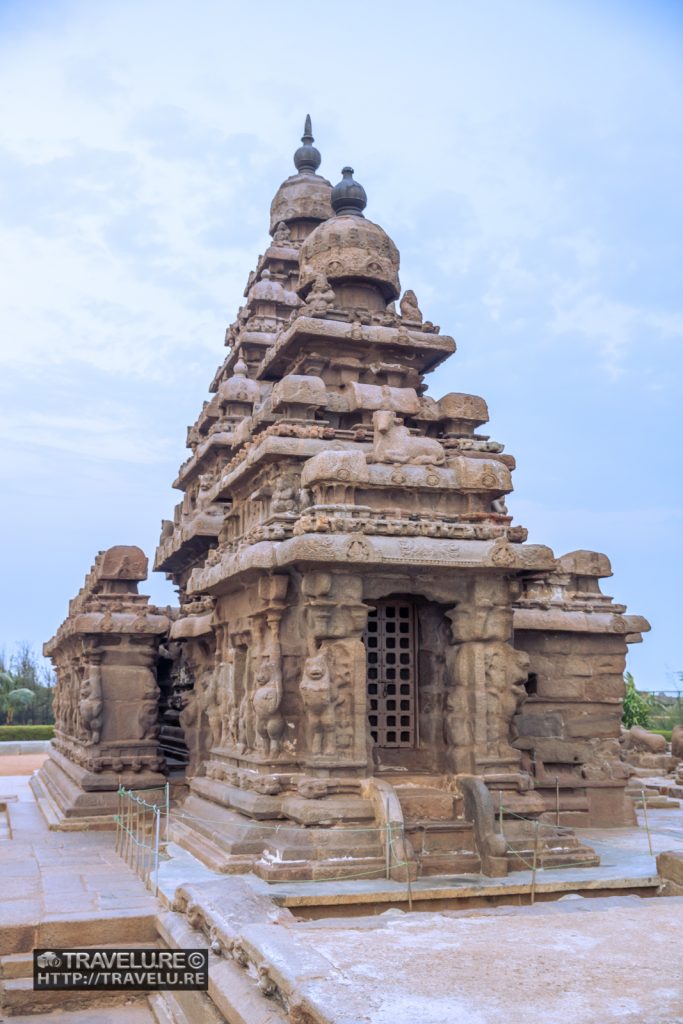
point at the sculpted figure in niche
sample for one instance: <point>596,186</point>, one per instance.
<point>319,698</point>
<point>409,307</point>
<point>213,710</point>
<point>266,702</point>
<point>282,234</point>
<point>284,497</point>
<point>321,297</point>
<point>394,443</point>
<point>226,689</point>
<point>91,706</point>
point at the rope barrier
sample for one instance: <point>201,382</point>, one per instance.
<point>138,824</point>
<point>136,820</point>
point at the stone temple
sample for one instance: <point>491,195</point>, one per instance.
<point>363,636</point>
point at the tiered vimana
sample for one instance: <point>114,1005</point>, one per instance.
<point>364,637</point>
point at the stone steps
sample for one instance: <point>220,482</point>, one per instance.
<point>210,851</point>
<point>233,994</point>
<point>443,843</point>
<point>425,803</point>
<point>321,870</point>
<point>113,927</point>
<point>184,1008</point>
<point>449,864</point>
<point>18,997</point>
<point>563,851</point>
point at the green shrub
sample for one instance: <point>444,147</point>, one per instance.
<point>26,732</point>
<point>638,707</point>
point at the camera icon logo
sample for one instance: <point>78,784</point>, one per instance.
<point>48,959</point>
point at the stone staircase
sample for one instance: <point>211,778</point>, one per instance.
<point>556,848</point>
<point>17,995</point>
<point>442,841</point>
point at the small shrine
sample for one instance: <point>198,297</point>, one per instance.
<point>106,697</point>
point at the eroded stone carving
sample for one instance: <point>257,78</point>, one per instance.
<point>266,700</point>
<point>409,307</point>
<point>319,700</point>
<point>393,442</point>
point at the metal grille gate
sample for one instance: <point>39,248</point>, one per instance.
<point>390,645</point>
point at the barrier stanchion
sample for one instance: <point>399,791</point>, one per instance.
<point>387,853</point>
<point>408,882</point>
<point>536,860</point>
<point>647,824</point>
<point>156,852</point>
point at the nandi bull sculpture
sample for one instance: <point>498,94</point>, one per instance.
<point>393,442</point>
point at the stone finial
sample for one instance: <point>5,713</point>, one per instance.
<point>307,158</point>
<point>348,197</point>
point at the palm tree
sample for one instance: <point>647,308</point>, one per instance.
<point>12,696</point>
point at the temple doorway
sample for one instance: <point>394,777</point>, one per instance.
<point>391,648</point>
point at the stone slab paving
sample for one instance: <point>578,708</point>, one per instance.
<point>599,960</point>
<point>603,961</point>
<point>61,876</point>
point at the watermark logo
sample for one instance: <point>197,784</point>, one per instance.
<point>48,959</point>
<point>128,969</point>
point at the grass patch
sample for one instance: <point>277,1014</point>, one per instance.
<point>26,732</point>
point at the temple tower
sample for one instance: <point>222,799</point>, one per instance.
<point>351,583</point>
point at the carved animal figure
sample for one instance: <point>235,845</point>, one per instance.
<point>409,307</point>
<point>637,738</point>
<point>91,707</point>
<point>677,742</point>
<point>393,442</point>
<point>148,720</point>
<point>318,695</point>
<point>266,702</point>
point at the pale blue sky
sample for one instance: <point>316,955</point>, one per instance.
<point>525,157</point>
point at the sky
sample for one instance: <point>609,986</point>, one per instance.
<point>527,160</point>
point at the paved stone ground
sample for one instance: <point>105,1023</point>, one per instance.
<point>590,961</point>
<point>603,961</point>
<point>20,764</point>
<point>60,876</point>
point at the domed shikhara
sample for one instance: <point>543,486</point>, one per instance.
<point>303,200</point>
<point>357,257</point>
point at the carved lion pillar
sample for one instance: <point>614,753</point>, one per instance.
<point>487,684</point>
<point>333,682</point>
